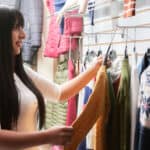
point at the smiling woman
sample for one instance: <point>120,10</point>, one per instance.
<point>18,35</point>
<point>22,92</point>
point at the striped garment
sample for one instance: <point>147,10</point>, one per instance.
<point>129,8</point>
<point>91,7</point>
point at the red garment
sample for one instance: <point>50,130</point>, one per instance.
<point>129,8</point>
<point>116,85</point>
<point>72,104</point>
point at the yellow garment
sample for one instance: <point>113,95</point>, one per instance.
<point>93,109</point>
<point>101,125</point>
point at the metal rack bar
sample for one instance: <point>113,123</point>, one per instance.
<point>133,27</point>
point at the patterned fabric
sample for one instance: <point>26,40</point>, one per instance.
<point>143,113</point>
<point>129,8</point>
<point>91,7</point>
<point>56,112</point>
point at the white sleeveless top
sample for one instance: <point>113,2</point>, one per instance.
<point>28,102</point>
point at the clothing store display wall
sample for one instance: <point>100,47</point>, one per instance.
<point>105,21</point>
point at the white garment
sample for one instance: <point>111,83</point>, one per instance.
<point>28,102</point>
<point>144,98</point>
<point>134,95</point>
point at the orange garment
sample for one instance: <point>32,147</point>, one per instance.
<point>94,108</point>
<point>129,8</point>
<point>101,125</point>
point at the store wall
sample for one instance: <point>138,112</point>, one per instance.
<point>108,14</point>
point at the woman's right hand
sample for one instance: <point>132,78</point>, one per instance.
<point>60,135</point>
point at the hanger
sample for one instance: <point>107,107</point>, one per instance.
<point>126,47</point>
<point>134,48</point>
<point>108,49</point>
<point>99,52</point>
<point>148,52</point>
<point>112,55</point>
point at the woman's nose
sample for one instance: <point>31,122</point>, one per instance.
<point>22,34</point>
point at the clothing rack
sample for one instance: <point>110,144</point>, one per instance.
<point>133,27</point>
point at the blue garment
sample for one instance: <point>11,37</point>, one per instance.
<point>82,145</point>
<point>58,5</point>
<point>87,93</point>
<point>142,135</point>
<point>91,7</point>
<point>137,130</point>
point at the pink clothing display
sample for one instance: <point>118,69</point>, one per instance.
<point>73,24</point>
<point>66,44</point>
<point>72,104</point>
<point>52,43</point>
<point>57,43</point>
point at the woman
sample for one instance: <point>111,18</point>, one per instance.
<point>22,91</point>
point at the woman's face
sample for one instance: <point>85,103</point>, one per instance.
<point>17,37</point>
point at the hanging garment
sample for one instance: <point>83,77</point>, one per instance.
<point>134,90</point>
<point>73,24</point>
<point>82,145</point>
<point>82,101</point>
<point>91,8</point>
<point>57,111</point>
<point>143,118</point>
<point>58,6</point>
<point>53,39</point>
<point>72,102</point>
<point>87,92</point>
<point>88,117</point>
<point>32,11</point>
<point>81,105</point>
<point>145,62</point>
<point>123,110</point>
<point>56,43</point>
<point>112,101</point>
<point>101,125</point>
<point>129,8</point>
<point>66,44</point>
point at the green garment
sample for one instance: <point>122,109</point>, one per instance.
<point>56,112</point>
<point>123,108</point>
<point>112,100</point>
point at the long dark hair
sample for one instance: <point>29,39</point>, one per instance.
<point>9,99</point>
